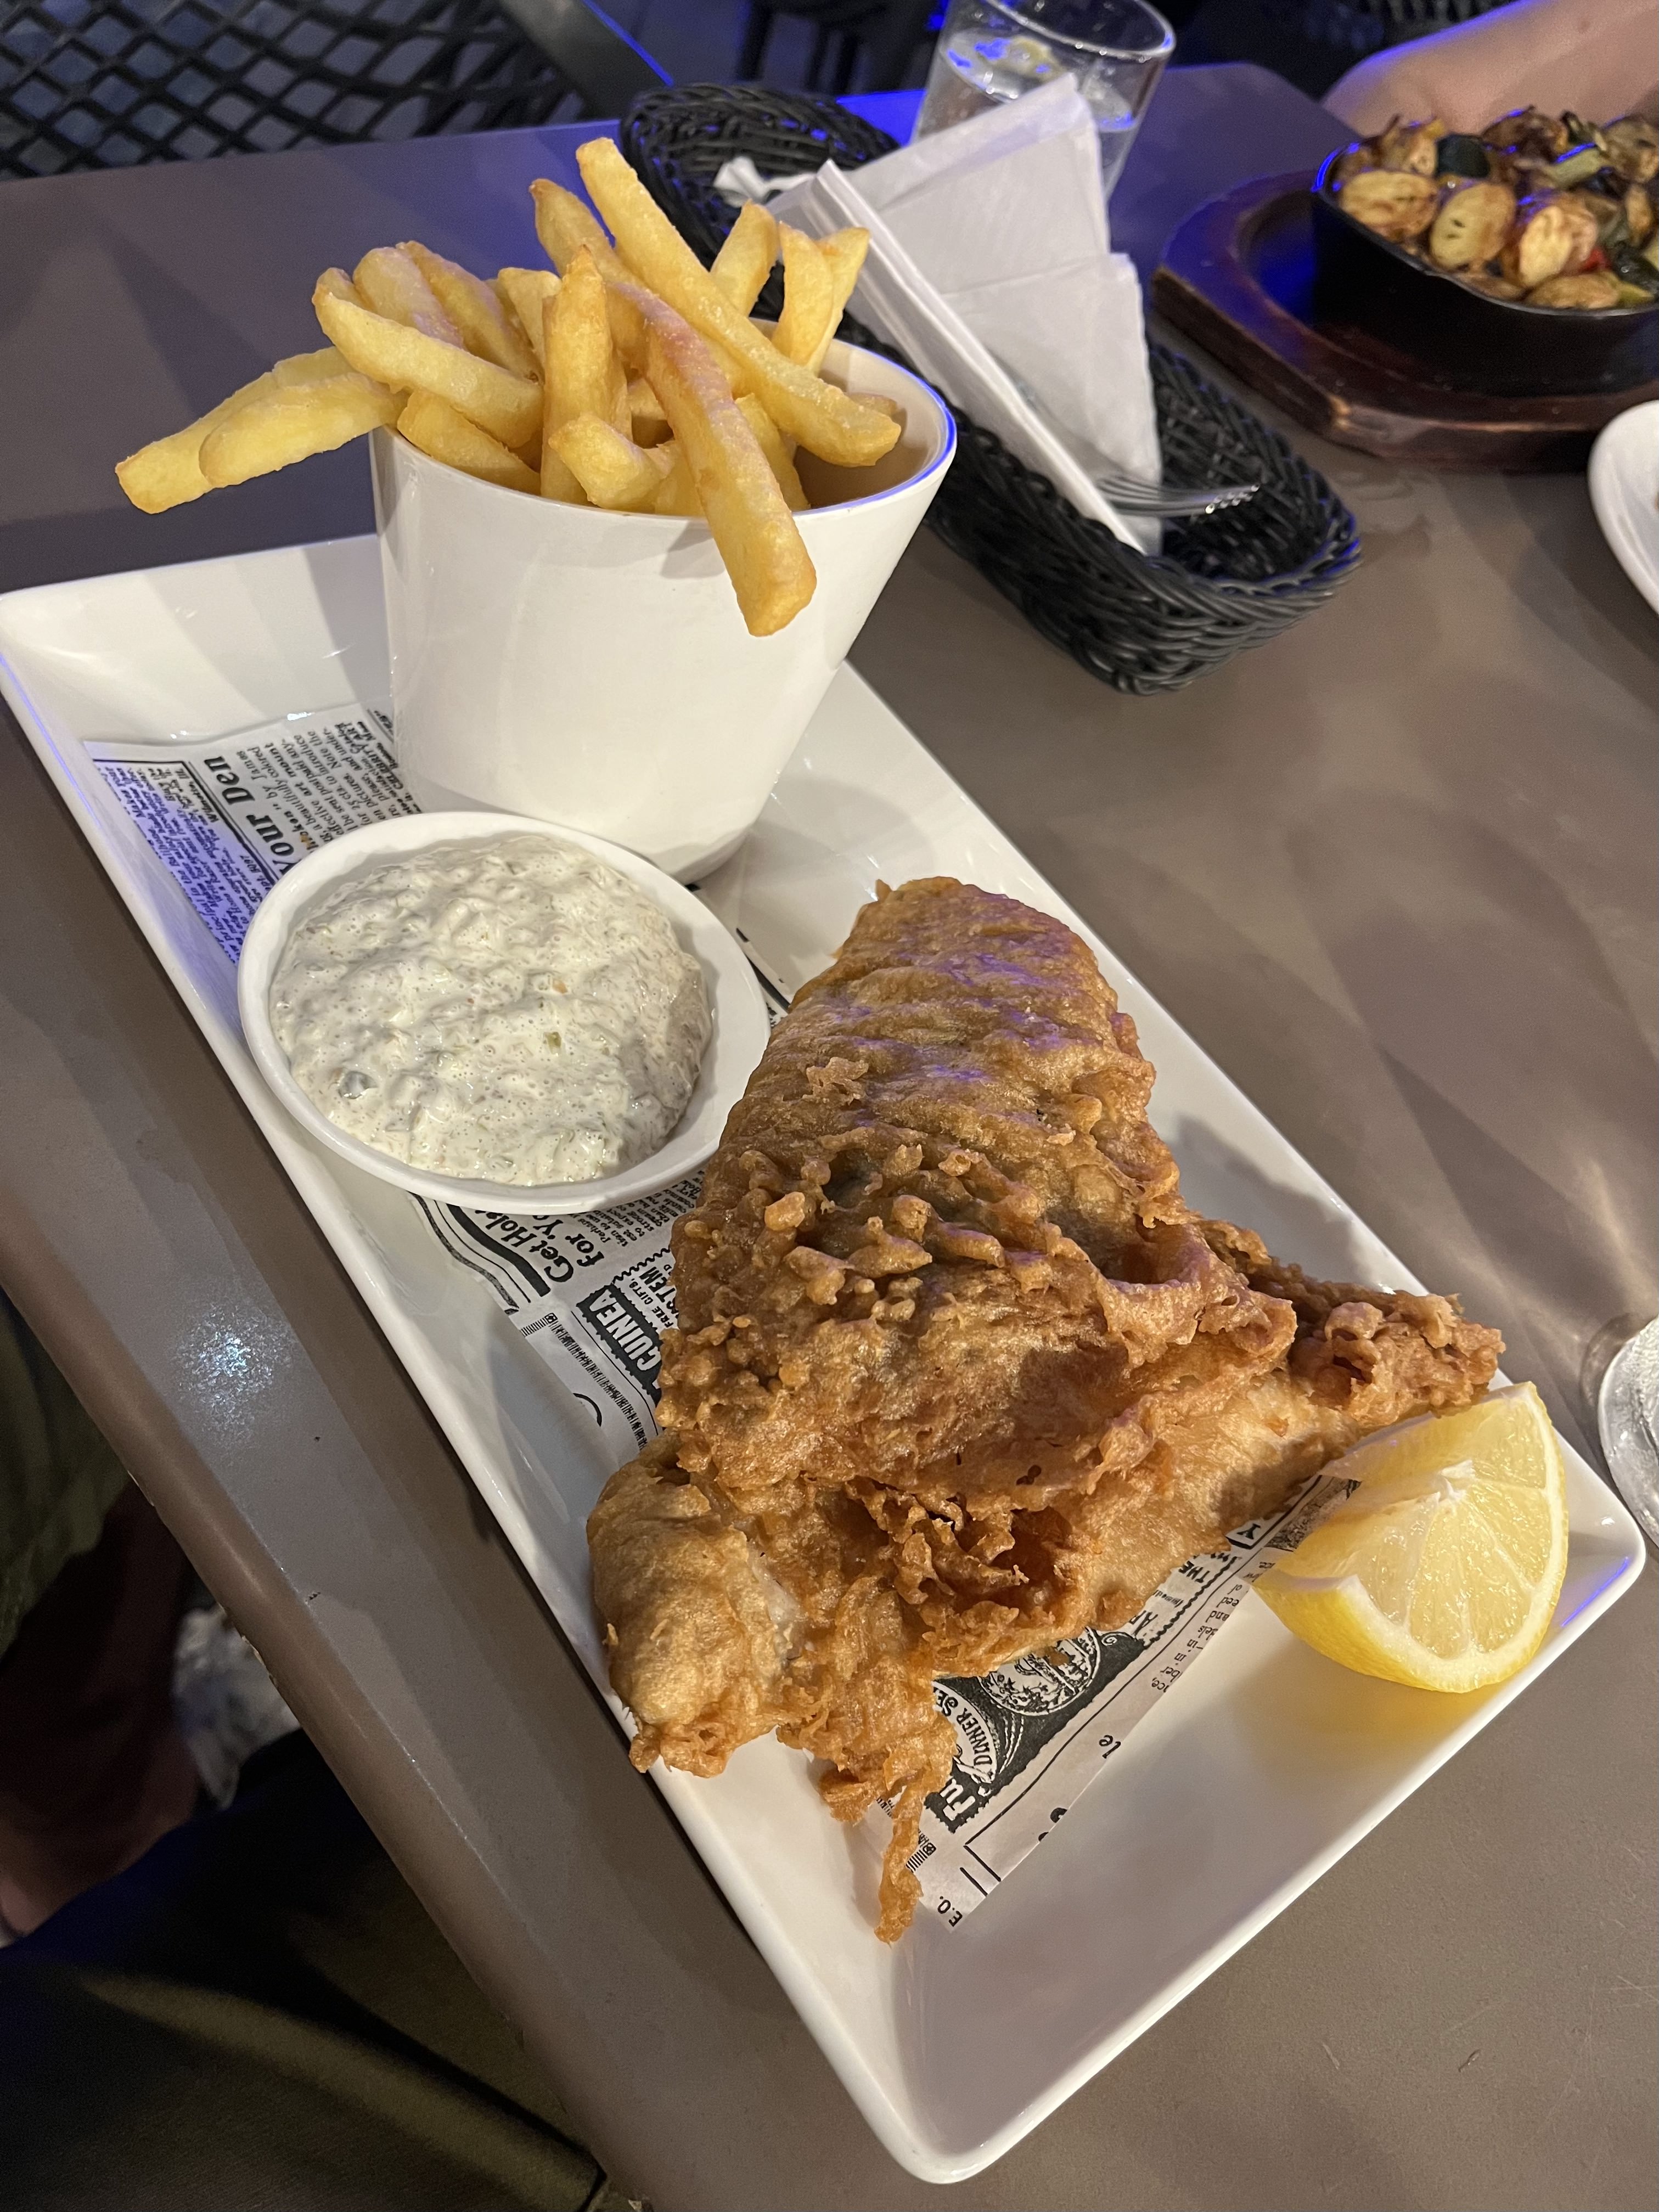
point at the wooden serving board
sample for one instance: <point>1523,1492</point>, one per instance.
<point>1237,278</point>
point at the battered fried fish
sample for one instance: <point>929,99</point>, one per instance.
<point>958,1374</point>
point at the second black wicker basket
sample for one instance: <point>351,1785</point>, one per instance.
<point>1140,623</point>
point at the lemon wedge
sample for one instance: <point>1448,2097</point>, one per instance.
<point>1442,1568</point>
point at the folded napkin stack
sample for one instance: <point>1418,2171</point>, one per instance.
<point>989,255</point>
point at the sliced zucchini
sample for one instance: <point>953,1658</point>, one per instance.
<point>1495,287</point>
<point>1576,166</point>
<point>1596,288</point>
<point>1554,235</point>
<point>1395,204</point>
<point>1607,213</point>
<point>1411,147</point>
<point>1529,131</point>
<point>1632,146</point>
<point>1460,153</point>
<point>1474,222</point>
<point>1636,271</point>
<point>1354,161</point>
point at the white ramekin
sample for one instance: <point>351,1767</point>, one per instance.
<point>734,999</point>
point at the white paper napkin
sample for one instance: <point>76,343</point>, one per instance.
<point>988,243</point>
<point>1047,159</point>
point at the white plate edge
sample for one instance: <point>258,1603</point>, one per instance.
<point>1603,475</point>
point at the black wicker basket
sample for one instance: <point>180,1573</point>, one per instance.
<point>1224,582</point>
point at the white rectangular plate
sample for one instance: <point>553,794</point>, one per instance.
<point>1255,1774</point>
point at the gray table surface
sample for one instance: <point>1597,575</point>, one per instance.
<point>1395,872</point>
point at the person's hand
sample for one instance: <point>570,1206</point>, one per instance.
<point>1600,58</point>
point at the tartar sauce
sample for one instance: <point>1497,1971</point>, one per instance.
<point>511,1009</point>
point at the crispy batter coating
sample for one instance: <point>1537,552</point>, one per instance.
<point>958,1374</point>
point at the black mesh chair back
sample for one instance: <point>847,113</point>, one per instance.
<point>107,83</point>
<point>883,33</point>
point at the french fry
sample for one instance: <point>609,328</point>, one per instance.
<point>892,408</point>
<point>339,286</point>
<point>823,420</point>
<point>582,374</point>
<point>509,407</point>
<point>610,469</point>
<point>433,424</point>
<point>809,292</point>
<point>564,226</point>
<point>773,443</point>
<point>168,471</point>
<point>819,277</point>
<point>647,424</point>
<point>558,482</point>
<point>632,379</point>
<point>770,569</point>
<point>473,307</point>
<point>845,251</point>
<point>306,368</point>
<point>288,424</point>
<point>744,262</point>
<point>388,282</point>
<point>678,494</point>
<point>525,292</point>
<point>555,480</point>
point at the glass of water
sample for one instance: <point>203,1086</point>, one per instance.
<point>1627,1411</point>
<point>987,54</point>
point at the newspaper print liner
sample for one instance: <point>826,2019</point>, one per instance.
<point>593,1292</point>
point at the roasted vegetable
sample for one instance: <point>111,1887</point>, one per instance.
<point>1534,201</point>
<point>1632,146</point>
<point>1460,153</point>
<point>1594,289</point>
<point>1529,131</point>
<point>1553,236</point>
<point>1635,271</point>
<point>1576,166</point>
<point>1354,159</point>
<point>1410,147</point>
<point>1471,225</point>
<point>1395,204</point>
<point>1607,213</point>
<point>1495,287</point>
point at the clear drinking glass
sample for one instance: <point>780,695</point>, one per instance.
<point>987,54</point>
<point>1627,1414</point>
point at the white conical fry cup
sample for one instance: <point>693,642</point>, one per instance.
<point>591,668</point>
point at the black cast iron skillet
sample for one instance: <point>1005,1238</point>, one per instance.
<point>1465,339</point>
